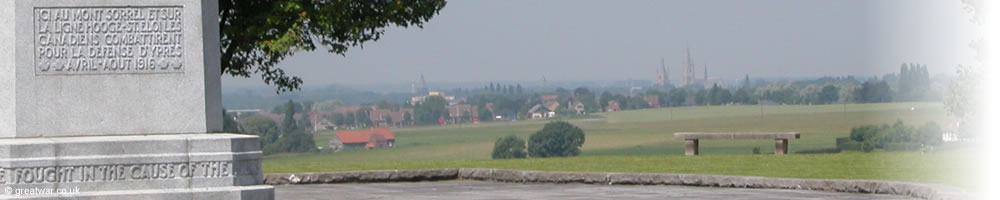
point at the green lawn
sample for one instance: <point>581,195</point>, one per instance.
<point>641,141</point>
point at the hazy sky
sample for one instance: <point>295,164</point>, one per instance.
<point>618,40</point>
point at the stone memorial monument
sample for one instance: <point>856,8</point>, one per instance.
<point>117,99</point>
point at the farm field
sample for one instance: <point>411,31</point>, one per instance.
<point>642,141</point>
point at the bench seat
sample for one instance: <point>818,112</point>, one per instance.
<point>780,139</point>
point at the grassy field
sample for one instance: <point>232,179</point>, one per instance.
<point>641,141</point>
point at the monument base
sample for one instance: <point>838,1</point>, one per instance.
<point>178,166</point>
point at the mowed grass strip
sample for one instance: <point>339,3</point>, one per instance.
<point>942,168</point>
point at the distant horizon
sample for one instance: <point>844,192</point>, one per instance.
<point>621,40</point>
<point>534,83</point>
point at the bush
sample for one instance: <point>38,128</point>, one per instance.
<point>556,139</point>
<point>864,133</point>
<point>509,147</point>
<point>851,146</point>
<point>843,140</point>
<point>903,146</point>
<point>756,150</point>
<point>901,137</point>
<point>929,134</point>
<point>867,147</point>
<point>818,151</point>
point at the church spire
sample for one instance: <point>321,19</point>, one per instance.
<point>706,72</point>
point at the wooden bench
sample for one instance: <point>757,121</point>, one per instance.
<point>780,139</point>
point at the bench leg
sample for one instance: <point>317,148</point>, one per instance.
<point>690,147</point>
<point>780,146</point>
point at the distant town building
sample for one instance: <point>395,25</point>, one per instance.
<point>950,131</point>
<point>541,84</point>
<point>320,121</point>
<point>452,100</point>
<point>652,100</point>
<point>391,118</point>
<point>420,87</point>
<point>540,112</point>
<point>548,98</point>
<point>688,75</point>
<point>662,75</point>
<point>462,112</point>
<point>613,106</point>
<point>687,72</point>
<point>576,105</point>
<point>347,109</point>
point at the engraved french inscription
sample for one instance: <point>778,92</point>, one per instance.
<point>108,40</point>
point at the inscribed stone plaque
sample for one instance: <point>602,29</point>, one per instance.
<point>107,40</point>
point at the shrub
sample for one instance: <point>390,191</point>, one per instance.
<point>843,140</point>
<point>864,133</point>
<point>851,146</point>
<point>929,134</point>
<point>901,137</point>
<point>903,146</point>
<point>756,150</point>
<point>818,151</point>
<point>509,147</point>
<point>867,147</point>
<point>556,139</point>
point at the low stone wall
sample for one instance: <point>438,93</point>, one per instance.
<point>362,176</point>
<point>925,191</point>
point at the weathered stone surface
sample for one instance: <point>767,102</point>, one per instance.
<point>112,67</point>
<point>426,174</point>
<point>474,173</point>
<point>925,191</point>
<point>469,189</point>
<point>115,165</point>
<point>116,99</point>
<point>362,176</point>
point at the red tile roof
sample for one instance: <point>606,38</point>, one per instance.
<point>365,136</point>
<point>346,109</point>
<point>384,132</point>
<point>550,97</point>
<point>352,137</point>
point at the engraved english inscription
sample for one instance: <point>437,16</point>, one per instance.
<point>108,40</point>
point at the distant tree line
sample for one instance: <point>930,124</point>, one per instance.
<point>510,89</point>
<point>290,136</point>
<point>512,101</point>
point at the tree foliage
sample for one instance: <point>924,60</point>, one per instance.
<point>914,83</point>
<point>965,101</point>
<point>363,117</point>
<point>677,96</point>
<point>874,136</point>
<point>293,138</point>
<point>556,139</point>
<point>873,92</point>
<point>261,126</point>
<point>229,124</point>
<point>257,34</point>
<point>829,94</point>
<point>509,147</point>
<point>288,123</point>
<point>429,111</point>
<point>588,99</point>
